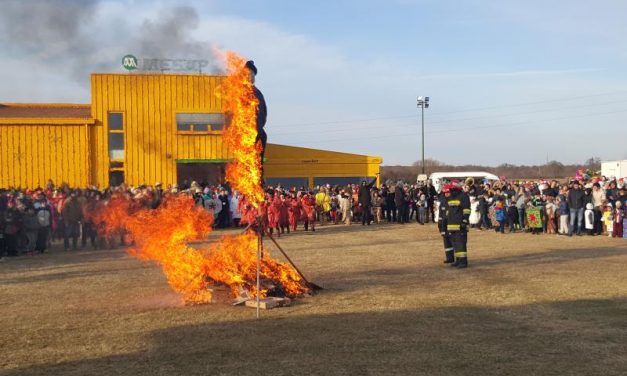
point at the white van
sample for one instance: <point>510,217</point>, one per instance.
<point>438,179</point>
<point>617,169</point>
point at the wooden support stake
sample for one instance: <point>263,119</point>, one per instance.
<point>312,285</point>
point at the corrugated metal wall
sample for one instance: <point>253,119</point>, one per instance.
<point>30,154</point>
<point>78,154</point>
<point>149,104</point>
<point>290,162</point>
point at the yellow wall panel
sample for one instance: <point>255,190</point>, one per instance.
<point>168,136</point>
<point>14,138</point>
<point>25,160</point>
<point>147,160</point>
<point>32,154</point>
<point>160,154</point>
<point>70,143</point>
<point>4,171</point>
<point>290,161</point>
<point>134,137</point>
<point>150,103</point>
<point>39,172</point>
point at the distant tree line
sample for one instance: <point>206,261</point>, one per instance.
<point>550,170</point>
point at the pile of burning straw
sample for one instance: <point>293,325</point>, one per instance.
<point>162,235</point>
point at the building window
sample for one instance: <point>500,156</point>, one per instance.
<point>200,122</point>
<point>116,178</point>
<point>116,146</point>
<point>115,122</point>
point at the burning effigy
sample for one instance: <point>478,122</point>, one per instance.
<point>162,235</point>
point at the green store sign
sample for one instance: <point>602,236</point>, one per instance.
<point>129,62</point>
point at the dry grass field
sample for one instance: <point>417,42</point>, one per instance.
<point>527,305</point>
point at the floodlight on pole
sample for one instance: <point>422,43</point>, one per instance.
<point>423,102</point>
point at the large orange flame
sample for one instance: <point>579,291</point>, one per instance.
<point>233,262</point>
<point>162,235</point>
<point>240,103</point>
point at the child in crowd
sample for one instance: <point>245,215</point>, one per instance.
<point>535,214</point>
<point>377,203</point>
<point>422,209</point>
<point>618,220</point>
<point>335,204</point>
<point>608,219</point>
<point>499,213</point>
<point>475,215</point>
<point>550,209</point>
<point>563,209</point>
<point>512,217</point>
<point>588,216</point>
<point>284,221</point>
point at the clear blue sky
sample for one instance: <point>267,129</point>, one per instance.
<point>509,81</point>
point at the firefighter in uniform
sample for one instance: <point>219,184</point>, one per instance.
<point>446,236</point>
<point>457,214</point>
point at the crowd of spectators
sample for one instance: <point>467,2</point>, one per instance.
<point>592,206</point>
<point>31,219</point>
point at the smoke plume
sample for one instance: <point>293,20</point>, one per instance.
<point>81,38</point>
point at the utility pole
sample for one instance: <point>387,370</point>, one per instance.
<point>423,102</point>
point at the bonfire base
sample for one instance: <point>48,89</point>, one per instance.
<point>239,301</point>
<point>220,294</point>
<point>269,303</point>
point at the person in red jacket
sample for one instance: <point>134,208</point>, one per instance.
<point>309,211</point>
<point>264,215</point>
<point>284,223</point>
<point>274,212</point>
<point>294,211</point>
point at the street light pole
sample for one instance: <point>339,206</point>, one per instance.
<point>423,102</point>
<point>423,138</point>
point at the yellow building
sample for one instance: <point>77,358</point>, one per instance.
<point>145,128</point>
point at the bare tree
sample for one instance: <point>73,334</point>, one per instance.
<point>593,163</point>
<point>552,169</point>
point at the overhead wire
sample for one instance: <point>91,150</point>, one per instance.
<point>397,125</point>
<point>351,139</point>
<point>279,126</point>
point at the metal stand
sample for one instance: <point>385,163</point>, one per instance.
<point>259,255</point>
<point>311,285</point>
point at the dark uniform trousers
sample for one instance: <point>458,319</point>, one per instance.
<point>446,236</point>
<point>448,244</point>
<point>459,239</point>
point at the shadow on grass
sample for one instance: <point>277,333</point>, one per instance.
<point>331,229</point>
<point>71,274</point>
<point>433,274</point>
<point>556,256</point>
<point>585,337</point>
<point>63,259</point>
<point>328,229</point>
